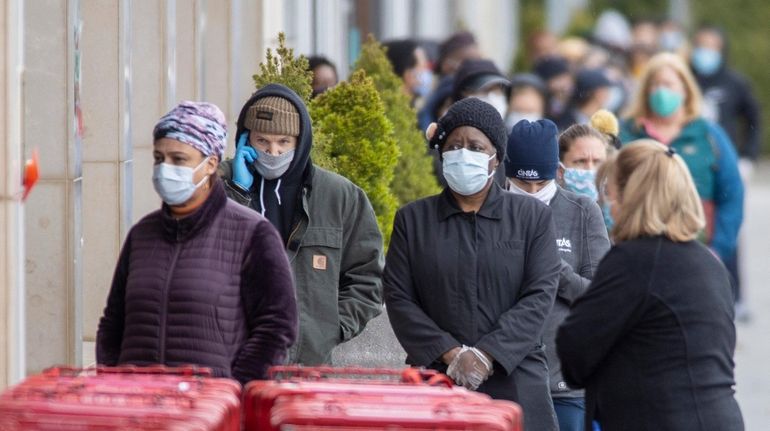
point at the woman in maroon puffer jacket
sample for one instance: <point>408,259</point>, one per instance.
<point>203,280</point>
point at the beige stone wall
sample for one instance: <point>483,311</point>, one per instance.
<point>138,59</point>
<point>11,210</point>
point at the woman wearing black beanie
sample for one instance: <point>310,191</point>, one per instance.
<point>471,273</point>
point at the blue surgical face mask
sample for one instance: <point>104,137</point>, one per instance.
<point>466,172</point>
<point>581,181</point>
<point>671,40</point>
<point>607,213</point>
<point>174,183</point>
<point>616,98</point>
<point>665,102</point>
<point>424,83</point>
<point>706,61</point>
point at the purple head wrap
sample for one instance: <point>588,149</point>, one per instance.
<point>201,125</point>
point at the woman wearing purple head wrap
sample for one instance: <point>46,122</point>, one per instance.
<point>203,280</point>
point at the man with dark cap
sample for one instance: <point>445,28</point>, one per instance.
<point>592,92</point>
<point>531,162</point>
<point>471,273</point>
<point>453,51</point>
<point>483,80</point>
<point>326,222</point>
<point>410,63</point>
<point>554,70</point>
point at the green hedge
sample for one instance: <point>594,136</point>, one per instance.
<point>414,173</point>
<point>358,138</point>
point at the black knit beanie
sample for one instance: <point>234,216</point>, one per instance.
<point>474,113</point>
<point>533,151</point>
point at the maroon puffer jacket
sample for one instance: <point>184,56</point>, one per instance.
<point>214,289</point>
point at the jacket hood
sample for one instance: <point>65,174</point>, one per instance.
<point>305,138</point>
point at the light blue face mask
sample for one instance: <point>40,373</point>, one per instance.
<point>706,61</point>
<point>581,181</point>
<point>466,172</point>
<point>174,184</point>
<point>665,102</point>
<point>616,99</point>
<point>424,83</point>
<point>607,213</point>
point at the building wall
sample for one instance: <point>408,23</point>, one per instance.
<point>96,77</point>
<point>11,210</point>
<point>113,67</point>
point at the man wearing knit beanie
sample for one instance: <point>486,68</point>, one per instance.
<point>532,159</point>
<point>471,273</point>
<point>581,238</point>
<point>326,222</point>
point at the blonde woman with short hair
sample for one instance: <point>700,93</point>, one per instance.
<point>652,339</point>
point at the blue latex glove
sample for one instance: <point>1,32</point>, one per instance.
<point>245,155</point>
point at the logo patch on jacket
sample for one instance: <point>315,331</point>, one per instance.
<point>319,262</point>
<point>564,245</point>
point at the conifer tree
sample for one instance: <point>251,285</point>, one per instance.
<point>285,69</point>
<point>359,142</point>
<point>415,177</point>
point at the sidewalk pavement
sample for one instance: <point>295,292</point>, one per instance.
<point>752,353</point>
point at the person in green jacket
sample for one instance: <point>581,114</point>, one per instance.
<point>667,109</point>
<point>327,223</point>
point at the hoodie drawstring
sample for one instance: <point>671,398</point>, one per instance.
<point>278,195</point>
<point>262,196</point>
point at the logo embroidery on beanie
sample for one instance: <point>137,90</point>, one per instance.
<point>529,173</point>
<point>265,115</point>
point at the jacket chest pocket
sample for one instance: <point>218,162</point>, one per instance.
<point>317,266</point>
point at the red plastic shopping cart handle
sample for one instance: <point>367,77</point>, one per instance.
<point>184,370</point>
<point>405,375</point>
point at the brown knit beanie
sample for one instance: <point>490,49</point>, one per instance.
<point>273,115</point>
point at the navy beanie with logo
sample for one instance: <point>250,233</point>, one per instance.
<point>533,151</point>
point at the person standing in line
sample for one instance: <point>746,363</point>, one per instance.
<point>582,150</point>
<point>203,280</point>
<point>453,51</point>
<point>652,339</point>
<point>592,91</point>
<point>527,99</point>
<point>410,64</point>
<point>324,74</point>
<point>471,273</point>
<point>581,237</point>
<point>729,101</point>
<point>667,108</point>
<point>326,222</point>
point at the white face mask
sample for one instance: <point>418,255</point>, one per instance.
<point>466,172</point>
<point>516,116</point>
<point>174,183</point>
<point>497,100</point>
<point>544,195</point>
